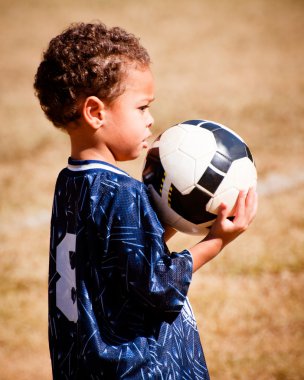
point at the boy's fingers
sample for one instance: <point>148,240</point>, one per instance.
<point>245,209</point>
<point>252,202</point>
<point>241,203</point>
<point>222,211</point>
<point>247,205</point>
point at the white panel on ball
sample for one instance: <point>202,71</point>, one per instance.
<point>198,143</point>
<point>229,197</point>
<point>170,141</point>
<point>241,175</point>
<point>182,170</point>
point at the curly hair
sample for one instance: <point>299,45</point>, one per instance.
<point>85,60</point>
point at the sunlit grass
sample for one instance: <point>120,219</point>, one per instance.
<point>249,324</point>
<point>239,63</point>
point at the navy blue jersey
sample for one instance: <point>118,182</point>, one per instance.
<point>118,306</point>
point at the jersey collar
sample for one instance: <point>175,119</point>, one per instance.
<point>81,165</point>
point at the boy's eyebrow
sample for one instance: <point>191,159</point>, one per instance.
<point>148,99</point>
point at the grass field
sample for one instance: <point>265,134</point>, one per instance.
<point>234,61</point>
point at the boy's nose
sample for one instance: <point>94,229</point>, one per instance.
<point>150,121</point>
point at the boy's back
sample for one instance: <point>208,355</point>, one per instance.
<point>107,247</point>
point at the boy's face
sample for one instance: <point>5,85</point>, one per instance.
<point>127,120</point>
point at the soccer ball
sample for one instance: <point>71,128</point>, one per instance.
<point>192,168</point>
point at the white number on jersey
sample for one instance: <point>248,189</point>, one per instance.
<point>66,285</point>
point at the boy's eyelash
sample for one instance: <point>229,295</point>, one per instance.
<point>142,108</point>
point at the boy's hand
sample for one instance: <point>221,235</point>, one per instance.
<point>245,211</point>
<point>224,230</point>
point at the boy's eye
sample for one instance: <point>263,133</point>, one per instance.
<point>143,108</point>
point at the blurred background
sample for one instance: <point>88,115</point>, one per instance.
<point>237,62</point>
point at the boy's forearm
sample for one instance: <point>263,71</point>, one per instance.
<point>202,252</point>
<point>223,230</point>
<point>205,251</point>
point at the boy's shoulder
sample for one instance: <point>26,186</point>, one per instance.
<point>100,187</point>
<point>99,174</point>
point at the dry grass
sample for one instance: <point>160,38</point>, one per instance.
<point>237,62</point>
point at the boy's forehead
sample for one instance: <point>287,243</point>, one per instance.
<point>139,80</point>
<point>139,74</point>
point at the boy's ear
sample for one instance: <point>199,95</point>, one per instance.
<point>93,111</point>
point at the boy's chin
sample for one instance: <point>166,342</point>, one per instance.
<point>128,158</point>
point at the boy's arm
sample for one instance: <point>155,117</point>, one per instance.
<point>169,232</point>
<point>223,231</point>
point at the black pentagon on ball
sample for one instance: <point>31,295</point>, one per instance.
<point>210,180</point>
<point>232,149</point>
<point>191,206</point>
<point>221,162</point>
<point>249,155</point>
<point>229,145</point>
<point>210,126</point>
<point>153,173</point>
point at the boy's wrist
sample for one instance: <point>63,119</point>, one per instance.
<point>206,250</point>
<point>215,243</point>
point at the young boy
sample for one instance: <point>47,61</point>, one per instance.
<point>118,306</point>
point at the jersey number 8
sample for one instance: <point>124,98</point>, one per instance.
<point>66,285</point>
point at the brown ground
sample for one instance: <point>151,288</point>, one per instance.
<point>236,62</point>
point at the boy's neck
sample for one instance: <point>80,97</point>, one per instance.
<point>84,148</point>
<point>91,154</point>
